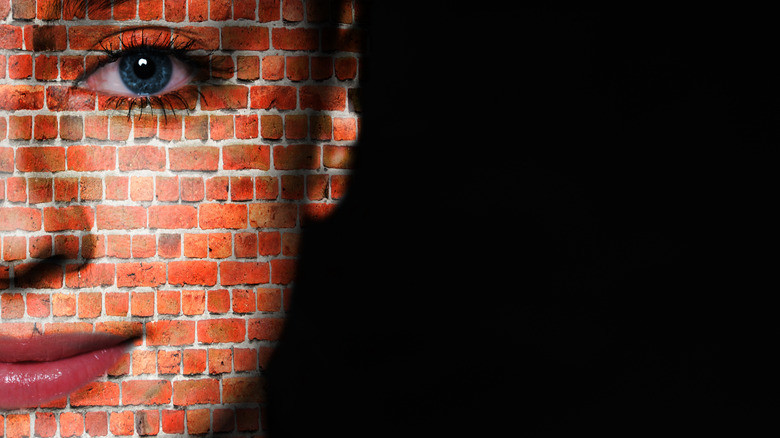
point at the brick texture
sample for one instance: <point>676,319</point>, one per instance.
<point>176,217</point>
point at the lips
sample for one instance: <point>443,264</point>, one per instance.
<point>41,368</point>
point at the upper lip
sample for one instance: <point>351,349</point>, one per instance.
<point>36,347</point>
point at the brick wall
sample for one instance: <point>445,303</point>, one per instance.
<point>178,222</point>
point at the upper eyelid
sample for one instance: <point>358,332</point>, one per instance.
<point>173,34</point>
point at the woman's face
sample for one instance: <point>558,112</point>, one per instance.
<point>158,159</point>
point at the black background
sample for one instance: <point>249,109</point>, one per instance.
<point>560,221</point>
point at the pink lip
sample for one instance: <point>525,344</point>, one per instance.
<point>42,368</point>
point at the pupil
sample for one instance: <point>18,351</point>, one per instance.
<point>144,68</point>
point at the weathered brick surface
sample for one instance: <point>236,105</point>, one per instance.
<point>173,221</point>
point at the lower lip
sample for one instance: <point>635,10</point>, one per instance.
<point>29,384</point>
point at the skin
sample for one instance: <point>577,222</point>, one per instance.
<point>172,222</point>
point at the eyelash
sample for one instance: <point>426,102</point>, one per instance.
<point>171,46</point>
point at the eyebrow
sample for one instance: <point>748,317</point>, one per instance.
<point>94,5</point>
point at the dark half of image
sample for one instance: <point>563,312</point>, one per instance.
<point>560,221</point>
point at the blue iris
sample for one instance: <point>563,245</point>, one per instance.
<point>145,73</point>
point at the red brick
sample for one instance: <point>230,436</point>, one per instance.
<point>91,188</point>
<point>20,97</point>
<point>96,127</point>
<point>192,272</point>
<point>273,67</point>
<point>150,10</point>
<point>141,188</point>
<point>265,329</point>
<point>66,246</point>
<point>20,66</point>
<point>221,127</point>
<point>317,186</point>
<point>65,98</point>
<point>195,245</point>
<point>71,424</point>
<point>19,127</point>
<point>320,127</point>
<point>119,128</point>
<point>273,215</point>
<point>244,359</point>
<point>6,154</point>
<point>146,392</point>
<point>323,97</point>
<point>292,186</point>
<point>170,333</point>
<point>242,390</point>
<point>295,38</point>
<point>296,156</point>
<point>118,245</point>
<point>169,245</point>
<point>292,10</point>
<point>117,187</point>
<point>246,245</point>
<point>198,421</point>
<point>40,190</point>
<point>338,157</point>
<point>193,302</point>
<point>268,10</point>
<point>214,216</point>
<point>346,68</point>
<point>246,126</point>
<point>46,68</point>
<point>74,217</point>
<point>121,423</point>
<point>194,361</point>
<point>71,67</point>
<point>297,68</point>
<point>168,362</point>
<point>38,305</point>
<point>11,36</point>
<point>204,158</point>
<point>96,423</point>
<point>266,187</point>
<point>63,304</point>
<point>117,303</point>
<point>220,360</point>
<point>91,158</point>
<point>173,216</point>
<point>40,159</point>
<point>217,188</point>
<point>237,157</point>
<point>141,304</point>
<point>141,158</point>
<point>218,301</point>
<point>221,330</point>
<point>11,306</point>
<point>280,97</point>
<point>90,275</point>
<point>233,273</point>
<point>173,421</point>
<point>20,218</point>
<point>248,419</point>
<point>168,302</point>
<point>248,68</point>
<point>296,126</point>
<point>93,246</point>
<point>96,394</point>
<point>224,420</point>
<point>344,129</point>
<point>45,424</point>
<point>147,422</point>
<point>245,38</point>
<point>269,299</point>
<point>170,128</point>
<point>271,127</point>
<point>321,67</point>
<point>219,97</point>
<point>282,271</point>
<point>120,217</point>
<point>147,274</point>
<point>243,301</point>
<point>194,392</point>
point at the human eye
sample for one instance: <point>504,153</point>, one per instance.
<point>145,68</point>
